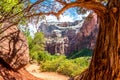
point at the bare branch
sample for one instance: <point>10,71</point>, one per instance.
<point>41,13</point>
<point>92,5</point>
<point>60,1</point>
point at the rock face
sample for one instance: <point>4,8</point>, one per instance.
<point>57,45</point>
<point>14,54</point>
<point>79,38</point>
<point>87,35</point>
<point>13,47</point>
<point>22,74</point>
<point>63,27</point>
<point>58,35</point>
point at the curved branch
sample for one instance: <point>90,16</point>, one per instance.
<point>92,5</point>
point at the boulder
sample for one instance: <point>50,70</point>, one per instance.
<point>14,49</point>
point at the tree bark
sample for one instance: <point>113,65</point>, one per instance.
<point>105,61</point>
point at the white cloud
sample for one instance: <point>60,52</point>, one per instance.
<point>51,18</point>
<point>65,18</point>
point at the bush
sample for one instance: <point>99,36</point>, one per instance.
<point>37,47</point>
<point>81,53</point>
<point>43,56</point>
<point>52,64</point>
<point>40,56</point>
<point>69,67</point>
<point>34,55</point>
<point>82,61</point>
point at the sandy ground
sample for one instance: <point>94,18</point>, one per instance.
<point>34,70</point>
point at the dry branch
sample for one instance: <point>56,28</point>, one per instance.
<point>91,5</point>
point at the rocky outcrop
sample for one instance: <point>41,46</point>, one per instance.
<point>14,54</point>
<point>13,47</point>
<point>62,27</point>
<point>22,74</point>
<point>87,35</point>
<point>57,45</point>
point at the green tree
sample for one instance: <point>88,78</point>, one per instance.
<point>11,10</point>
<point>37,45</point>
<point>38,42</point>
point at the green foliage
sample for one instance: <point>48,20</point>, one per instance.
<point>36,46</point>
<point>7,5</point>
<point>38,42</point>
<point>43,56</point>
<point>40,56</point>
<point>81,53</point>
<point>13,10</point>
<point>11,6</point>
<point>53,63</point>
<point>50,66</point>
<point>69,67</point>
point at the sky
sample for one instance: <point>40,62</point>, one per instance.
<point>69,15</point>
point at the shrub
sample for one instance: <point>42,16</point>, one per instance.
<point>52,65</point>
<point>69,67</point>
<point>43,56</point>
<point>57,57</point>
<point>34,55</point>
<point>82,61</point>
<point>81,53</point>
<point>40,56</point>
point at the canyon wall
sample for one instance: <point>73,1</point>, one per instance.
<point>87,35</point>
<point>77,38</point>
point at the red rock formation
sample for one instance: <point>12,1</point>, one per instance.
<point>21,74</point>
<point>86,37</point>
<point>57,45</point>
<point>14,54</point>
<point>13,47</point>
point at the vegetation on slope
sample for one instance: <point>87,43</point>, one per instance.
<point>70,66</point>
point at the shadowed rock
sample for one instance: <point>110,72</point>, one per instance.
<point>13,47</point>
<point>14,54</point>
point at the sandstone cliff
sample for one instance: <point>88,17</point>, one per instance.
<point>84,38</point>
<point>87,35</point>
<point>57,45</point>
<point>14,54</point>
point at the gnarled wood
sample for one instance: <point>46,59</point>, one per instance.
<point>105,61</point>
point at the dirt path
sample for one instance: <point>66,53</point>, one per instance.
<point>34,70</point>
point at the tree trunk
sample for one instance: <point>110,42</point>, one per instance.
<point>105,61</point>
